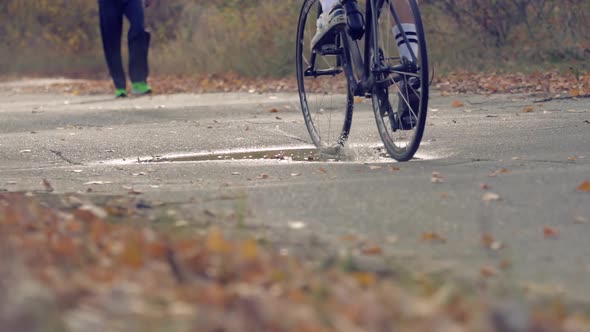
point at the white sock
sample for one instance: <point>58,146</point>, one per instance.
<point>327,5</point>
<point>404,50</point>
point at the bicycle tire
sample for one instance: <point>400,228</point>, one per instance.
<point>326,101</point>
<point>401,141</point>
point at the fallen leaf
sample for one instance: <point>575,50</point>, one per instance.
<point>550,232</point>
<point>263,176</point>
<point>296,224</point>
<point>349,238</point>
<point>273,110</point>
<point>498,172</point>
<point>47,186</point>
<point>97,182</point>
<point>457,103</point>
<point>323,170</point>
<point>433,237</point>
<point>575,92</point>
<point>95,210</point>
<point>487,240</point>
<point>394,168</point>
<point>487,271</point>
<point>181,223</point>
<point>216,242</point>
<point>372,251</point>
<point>505,264</point>
<point>585,186</point>
<point>365,279</point>
<point>132,254</point>
<point>392,239</point>
<point>249,250</point>
<point>491,243</point>
<point>436,178</point>
<point>528,109</point>
<point>134,192</point>
<point>485,186</point>
<point>490,196</point>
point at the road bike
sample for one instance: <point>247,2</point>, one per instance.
<point>331,78</point>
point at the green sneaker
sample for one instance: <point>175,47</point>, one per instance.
<point>120,93</point>
<point>141,88</point>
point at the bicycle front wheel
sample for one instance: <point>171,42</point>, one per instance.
<point>326,101</point>
<point>400,96</point>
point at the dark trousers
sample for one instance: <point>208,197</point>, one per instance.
<point>111,28</point>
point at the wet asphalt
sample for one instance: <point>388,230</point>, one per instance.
<point>500,171</point>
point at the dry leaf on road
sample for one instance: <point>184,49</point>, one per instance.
<point>585,186</point>
<point>485,186</point>
<point>550,232</point>
<point>98,182</point>
<point>498,172</point>
<point>487,271</point>
<point>437,178</point>
<point>491,243</point>
<point>457,103</point>
<point>372,251</point>
<point>47,185</point>
<point>296,224</point>
<point>490,196</point>
<point>433,237</point>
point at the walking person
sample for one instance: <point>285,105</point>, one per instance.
<point>111,14</point>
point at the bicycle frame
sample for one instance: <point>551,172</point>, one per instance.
<point>368,66</point>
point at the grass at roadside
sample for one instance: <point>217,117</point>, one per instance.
<point>104,267</point>
<point>257,38</point>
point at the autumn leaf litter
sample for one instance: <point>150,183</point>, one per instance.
<point>123,275</point>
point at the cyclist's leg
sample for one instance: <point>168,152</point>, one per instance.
<point>408,101</point>
<point>327,5</point>
<point>404,13</point>
<point>332,16</point>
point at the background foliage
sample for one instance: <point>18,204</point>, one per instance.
<point>255,37</point>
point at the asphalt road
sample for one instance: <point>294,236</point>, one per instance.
<point>532,161</point>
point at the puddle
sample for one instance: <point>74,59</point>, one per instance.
<point>288,154</point>
<point>355,153</point>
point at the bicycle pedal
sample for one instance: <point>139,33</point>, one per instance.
<point>330,50</point>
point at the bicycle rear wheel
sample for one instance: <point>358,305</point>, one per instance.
<point>400,97</point>
<point>326,101</point>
